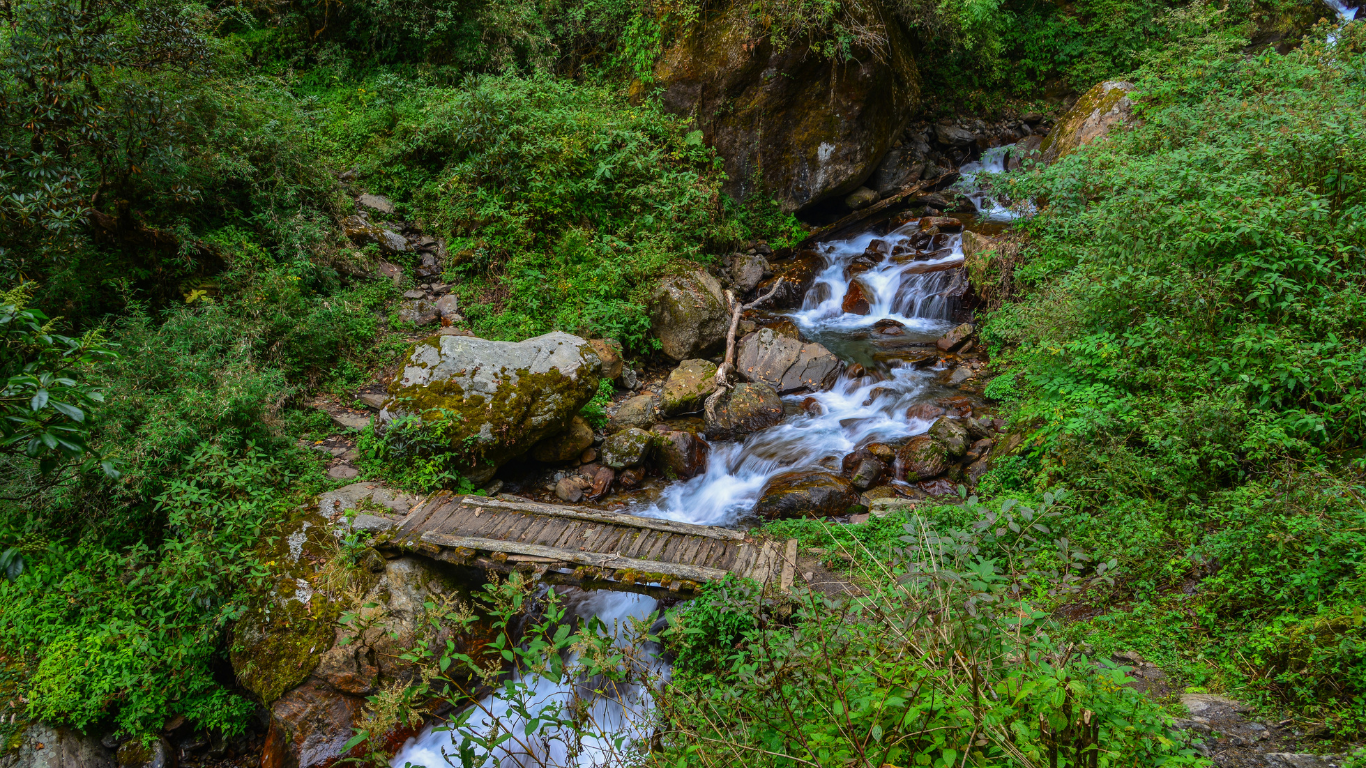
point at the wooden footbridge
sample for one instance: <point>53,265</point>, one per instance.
<point>587,545</point>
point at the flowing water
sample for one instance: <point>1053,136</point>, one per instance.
<point>902,286</point>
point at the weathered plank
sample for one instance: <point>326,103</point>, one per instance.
<point>789,565</point>
<point>605,516</point>
<point>580,558</point>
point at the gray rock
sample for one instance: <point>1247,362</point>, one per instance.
<point>743,409</point>
<point>861,198</point>
<point>343,472</point>
<point>350,420</point>
<point>372,400</point>
<point>419,312</point>
<point>448,307</point>
<point>868,473</point>
<point>375,203</point>
<point>572,488</point>
<point>627,448</point>
<point>960,376</point>
<point>372,523</point>
<point>628,379</point>
<point>389,271</point>
<point>953,135</point>
<point>688,386</point>
<point>899,168</point>
<point>688,314</point>
<point>785,363</point>
<point>637,412</point>
<point>47,746</point>
<point>747,270</point>
<point>507,396</point>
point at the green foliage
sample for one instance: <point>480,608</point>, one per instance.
<point>561,202</point>
<point>705,631</point>
<point>133,634</point>
<point>1189,357</point>
<point>417,452</point>
<point>595,410</point>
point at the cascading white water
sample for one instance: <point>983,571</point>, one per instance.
<point>905,284</point>
<point>988,207</point>
<point>1344,13</point>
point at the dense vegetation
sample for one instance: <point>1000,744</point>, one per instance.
<point>175,286</point>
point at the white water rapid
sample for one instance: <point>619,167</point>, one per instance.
<point>988,207</point>
<point>906,273</point>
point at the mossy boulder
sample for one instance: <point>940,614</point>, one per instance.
<point>688,386</point>
<point>689,315</point>
<point>499,399</point>
<point>806,494</point>
<point>951,435</point>
<point>1095,113</point>
<point>789,121</point>
<point>922,458</point>
<point>627,448</point>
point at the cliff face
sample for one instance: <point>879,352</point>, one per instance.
<point>791,121</point>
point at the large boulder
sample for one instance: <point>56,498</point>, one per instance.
<point>688,386</point>
<point>504,397</point>
<point>806,494</point>
<point>1102,107</point>
<point>785,363</point>
<point>789,121</point>
<point>922,459</point>
<point>743,409</point>
<point>688,314</point>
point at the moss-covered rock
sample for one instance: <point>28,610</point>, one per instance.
<point>566,445</point>
<point>498,398</point>
<point>806,494</point>
<point>922,458</point>
<point>688,386</point>
<point>689,315</point>
<point>743,409</point>
<point>790,123</point>
<point>627,448</point>
<point>1102,107</point>
<point>951,434</point>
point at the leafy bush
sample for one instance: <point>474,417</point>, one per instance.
<point>1188,352</point>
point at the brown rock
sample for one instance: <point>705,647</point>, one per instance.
<point>602,480</point>
<point>572,488</point>
<point>955,338</point>
<point>745,408</point>
<point>924,411</point>
<point>309,726</point>
<point>636,413</point>
<point>630,478</point>
<point>941,223</point>
<point>567,445</point>
<point>856,298</point>
<point>609,352</point>
<point>951,434</point>
<point>797,276</point>
<point>786,364</point>
<point>681,455</point>
<point>348,669</point>
<point>806,493</point>
<point>588,456</point>
<point>688,386</point>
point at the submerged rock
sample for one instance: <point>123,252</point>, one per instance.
<point>505,397</point>
<point>688,314</point>
<point>806,494</point>
<point>786,364</point>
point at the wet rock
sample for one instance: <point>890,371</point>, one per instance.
<point>349,668</point>
<point>813,406</point>
<point>567,445</point>
<point>882,452</point>
<point>960,376</point>
<point>805,494</point>
<point>681,455</point>
<point>1304,760</point>
<point>955,338</point>
<point>941,224</point>
<point>784,327</point>
<point>688,314</point>
<point>922,458</point>
<point>868,473</point>
<point>630,478</point>
<point>899,168</point>
<point>857,298</point>
<point>747,270</point>
<point>637,412</point>
<point>788,120</point>
<point>572,488</point>
<point>627,448</point>
<point>602,481</point>
<point>924,412</point>
<point>860,264</point>
<point>1103,107</point>
<point>950,434</point>
<point>978,449</point>
<point>688,386</point>
<point>508,396</point>
<point>609,352</point>
<point>797,275</point>
<point>861,198</point>
<point>786,364</point>
<point>309,726</point>
<point>377,203</point>
<point>745,408</point>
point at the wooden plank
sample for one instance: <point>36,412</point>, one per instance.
<point>692,573</point>
<point>638,541</point>
<point>605,516</point>
<point>507,523</point>
<point>670,552</point>
<point>608,544</point>
<point>551,533</point>
<point>595,536</point>
<point>789,565</point>
<point>696,545</point>
<point>418,514</point>
<point>443,518</point>
<point>570,531</point>
<point>728,561</point>
<point>661,541</point>
<point>744,553</point>
<point>762,563</point>
<point>533,531</point>
<point>479,526</point>
<point>709,552</point>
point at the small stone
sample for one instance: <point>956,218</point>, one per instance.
<point>688,386</point>
<point>390,271</point>
<point>376,203</point>
<point>448,307</point>
<point>350,419</point>
<point>571,488</point>
<point>374,401</point>
<point>955,338</point>
<point>414,294</point>
<point>343,472</point>
<point>960,376</point>
<point>609,352</point>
